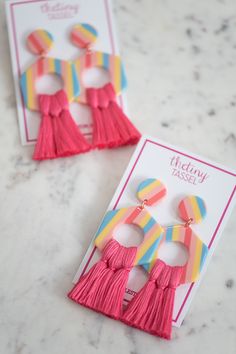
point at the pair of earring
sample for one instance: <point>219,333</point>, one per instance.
<point>102,288</point>
<point>58,134</point>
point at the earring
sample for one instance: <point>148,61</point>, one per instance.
<point>102,288</point>
<point>58,134</point>
<point>111,127</point>
<point>152,308</point>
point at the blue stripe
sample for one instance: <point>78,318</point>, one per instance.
<point>146,266</point>
<point>107,218</point>
<point>58,66</point>
<point>123,78</point>
<point>150,252</point>
<point>24,87</point>
<point>201,206</point>
<point>203,255</point>
<point>76,87</point>
<point>145,183</point>
<point>89,28</point>
<point>106,61</point>
<point>149,225</point>
<point>169,232</point>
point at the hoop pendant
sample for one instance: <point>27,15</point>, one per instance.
<point>109,62</point>
<point>43,66</point>
<point>134,215</point>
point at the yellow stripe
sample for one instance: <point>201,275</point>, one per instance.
<point>46,40</point>
<point>147,189</point>
<point>195,207</point>
<point>87,34</point>
<point>109,226</point>
<point>154,257</point>
<point>30,87</point>
<point>151,264</point>
<point>156,232</point>
<point>99,59</point>
<point>69,79</point>
<point>144,220</point>
<point>175,233</point>
<point>117,75</point>
<point>51,65</point>
<point>197,259</point>
<point>78,67</point>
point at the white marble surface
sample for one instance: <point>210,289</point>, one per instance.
<point>180,60</point>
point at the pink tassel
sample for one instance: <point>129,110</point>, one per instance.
<point>111,302</point>
<point>155,306</point>
<point>139,305</point>
<point>92,281</point>
<point>112,128</point>
<point>152,308</point>
<point>45,145</point>
<point>164,327</point>
<point>102,288</point>
<point>58,135</point>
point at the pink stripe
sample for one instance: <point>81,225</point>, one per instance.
<point>80,37</point>
<point>133,216</point>
<point>155,229</point>
<point>41,41</point>
<point>188,208</point>
<point>77,40</point>
<point>186,232</point>
<point>192,254</point>
<point>154,191</point>
<point>157,197</point>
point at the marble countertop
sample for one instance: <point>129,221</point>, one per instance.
<point>181,64</point>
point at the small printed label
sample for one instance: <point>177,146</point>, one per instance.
<point>59,10</point>
<point>187,171</point>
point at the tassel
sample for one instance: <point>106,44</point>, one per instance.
<point>139,305</point>
<point>152,308</point>
<point>112,128</point>
<point>111,302</point>
<point>91,282</point>
<point>58,135</point>
<point>156,303</point>
<point>164,327</point>
<point>102,288</point>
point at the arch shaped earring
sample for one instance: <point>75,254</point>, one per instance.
<point>112,128</point>
<point>157,295</point>
<point>58,134</point>
<point>103,287</point>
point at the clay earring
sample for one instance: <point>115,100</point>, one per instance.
<point>102,288</point>
<point>152,308</point>
<point>58,134</point>
<point>111,127</point>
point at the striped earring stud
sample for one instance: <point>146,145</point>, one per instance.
<point>192,209</point>
<point>39,42</point>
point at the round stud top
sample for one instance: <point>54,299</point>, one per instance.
<point>151,191</point>
<point>83,35</point>
<point>39,41</point>
<point>192,209</point>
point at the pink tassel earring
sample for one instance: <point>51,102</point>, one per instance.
<point>102,287</point>
<point>58,134</point>
<point>111,127</point>
<point>152,308</point>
